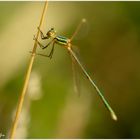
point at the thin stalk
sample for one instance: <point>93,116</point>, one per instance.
<point>27,77</point>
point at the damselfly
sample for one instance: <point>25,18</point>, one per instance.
<point>66,43</point>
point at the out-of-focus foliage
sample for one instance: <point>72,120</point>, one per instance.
<point>110,51</point>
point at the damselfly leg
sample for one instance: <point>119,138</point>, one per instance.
<point>43,47</point>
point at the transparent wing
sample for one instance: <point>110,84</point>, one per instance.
<point>76,81</point>
<point>81,30</point>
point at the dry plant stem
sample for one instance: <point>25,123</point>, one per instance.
<point>27,77</point>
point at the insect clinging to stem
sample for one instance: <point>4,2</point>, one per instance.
<point>66,43</point>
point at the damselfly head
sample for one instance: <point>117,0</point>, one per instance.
<point>51,33</point>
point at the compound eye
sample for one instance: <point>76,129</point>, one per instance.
<point>49,33</point>
<point>52,29</point>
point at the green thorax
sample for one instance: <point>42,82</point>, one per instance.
<point>62,40</point>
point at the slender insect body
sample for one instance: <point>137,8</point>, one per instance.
<point>66,42</point>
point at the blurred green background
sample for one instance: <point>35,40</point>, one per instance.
<point>109,47</point>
